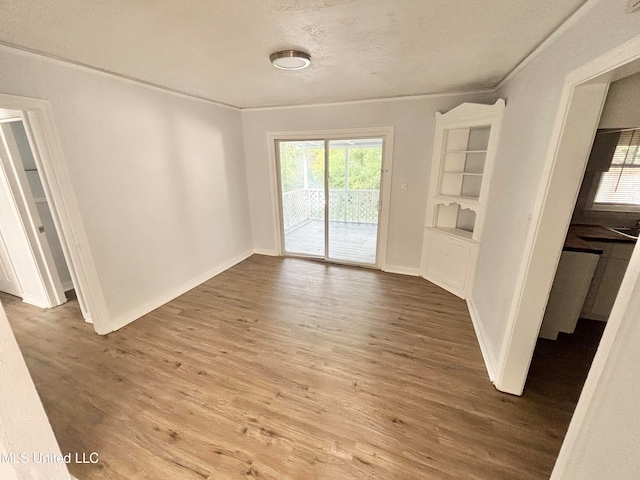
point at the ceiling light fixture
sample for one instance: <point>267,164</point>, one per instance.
<point>290,59</point>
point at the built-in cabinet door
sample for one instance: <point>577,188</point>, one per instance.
<point>447,262</point>
<point>458,263</point>
<point>607,279</point>
<point>438,256</point>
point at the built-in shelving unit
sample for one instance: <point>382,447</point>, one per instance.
<point>465,141</point>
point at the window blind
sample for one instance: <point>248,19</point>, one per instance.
<point>620,185</point>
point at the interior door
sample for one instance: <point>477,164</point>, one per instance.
<point>8,280</point>
<point>19,191</point>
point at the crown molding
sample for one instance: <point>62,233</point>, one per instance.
<point>108,73</point>
<point>374,100</point>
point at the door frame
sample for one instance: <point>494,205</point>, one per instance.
<point>39,123</point>
<point>386,133</point>
<point>580,108</point>
<point>23,204</point>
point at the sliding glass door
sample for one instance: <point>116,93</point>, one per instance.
<point>330,196</point>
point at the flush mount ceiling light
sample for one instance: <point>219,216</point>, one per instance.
<point>290,59</point>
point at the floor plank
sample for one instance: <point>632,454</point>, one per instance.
<point>293,369</point>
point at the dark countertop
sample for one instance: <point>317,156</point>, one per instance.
<point>580,238</point>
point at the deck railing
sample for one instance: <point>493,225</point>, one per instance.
<point>353,206</point>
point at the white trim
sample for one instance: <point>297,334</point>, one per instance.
<point>527,288</point>
<point>29,217</point>
<point>411,271</point>
<point>36,301</point>
<point>605,351</point>
<point>374,100</point>
<point>445,286</point>
<point>64,207</point>
<point>558,32</point>
<point>149,306</point>
<point>108,73</point>
<point>275,192</point>
<point>581,418</point>
<point>47,152</point>
<point>560,183</point>
<point>489,360</point>
<point>265,251</point>
<point>385,132</point>
<point>385,192</point>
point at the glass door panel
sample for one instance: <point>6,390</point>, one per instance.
<point>353,182</point>
<point>301,166</point>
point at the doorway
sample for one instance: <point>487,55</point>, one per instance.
<point>33,264</point>
<point>332,193</point>
<point>579,115</point>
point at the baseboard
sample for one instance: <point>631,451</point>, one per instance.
<point>36,301</point>
<point>157,302</point>
<point>66,286</point>
<point>264,251</point>
<point>414,272</point>
<point>445,286</point>
<point>489,361</point>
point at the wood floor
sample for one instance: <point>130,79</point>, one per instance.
<point>289,369</point>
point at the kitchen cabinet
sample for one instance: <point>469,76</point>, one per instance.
<point>607,278</point>
<point>568,293</point>
<point>447,260</point>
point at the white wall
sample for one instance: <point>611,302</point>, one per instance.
<point>532,103</point>
<point>24,426</point>
<point>159,178</point>
<point>414,124</point>
<point>621,108</point>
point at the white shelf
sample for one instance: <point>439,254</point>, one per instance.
<point>467,201</point>
<point>457,232</point>
<point>465,151</point>
<point>463,162</point>
<point>464,173</point>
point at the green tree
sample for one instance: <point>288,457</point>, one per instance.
<point>365,164</point>
<point>316,167</point>
<point>291,166</point>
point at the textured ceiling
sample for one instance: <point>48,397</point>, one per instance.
<point>361,49</point>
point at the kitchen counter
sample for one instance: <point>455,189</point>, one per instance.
<point>579,237</point>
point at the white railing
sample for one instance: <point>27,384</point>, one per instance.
<point>295,206</point>
<point>353,206</point>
